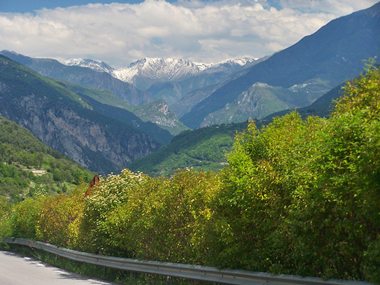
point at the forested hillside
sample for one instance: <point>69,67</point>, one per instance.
<point>29,168</point>
<point>298,196</point>
<point>204,149</point>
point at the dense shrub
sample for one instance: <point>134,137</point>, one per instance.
<point>60,218</point>
<point>5,223</point>
<point>164,219</point>
<point>25,216</point>
<point>114,190</point>
<point>304,196</point>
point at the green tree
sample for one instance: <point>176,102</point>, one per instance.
<point>25,216</point>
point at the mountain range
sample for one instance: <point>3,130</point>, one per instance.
<point>333,54</point>
<point>173,80</point>
<point>83,76</point>
<point>100,137</point>
<point>147,71</point>
<point>143,82</point>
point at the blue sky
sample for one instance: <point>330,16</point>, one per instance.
<point>200,30</point>
<point>32,5</point>
<point>23,6</point>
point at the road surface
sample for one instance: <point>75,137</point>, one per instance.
<point>17,270</point>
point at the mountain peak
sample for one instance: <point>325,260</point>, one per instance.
<point>244,60</point>
<point>94,64</point>
<point>157,68</point>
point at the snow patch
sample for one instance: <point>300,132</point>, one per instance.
<point>94,64</point>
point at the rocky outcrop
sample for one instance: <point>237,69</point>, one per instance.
<point>159,113</point>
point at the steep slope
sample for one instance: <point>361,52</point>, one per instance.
<point>182,95</point>
<point>158,113</point>
<point>190,99</point>
<point>96,65</point>
<point>80,75</point>
<point>257,102</point>
<point>28,167</point>
<point>153,119</point>
<point>322,107</point>
<point>64,121</point>
<point>262,99</point>
<point>334,53</point>
<point>128,118</point>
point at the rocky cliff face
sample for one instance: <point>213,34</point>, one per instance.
<point>159,113</point>
<point>66,123</point>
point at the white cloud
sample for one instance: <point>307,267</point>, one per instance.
<point>203,31</point>
<point>338,7</point>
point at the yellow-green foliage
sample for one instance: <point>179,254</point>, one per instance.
<point>60,218</point>
<point>155,218</point>
<point>113,191</point>
<point>298,196</point>
<point>25,216</point>
<point>304,196</point>
<point>5,224</point>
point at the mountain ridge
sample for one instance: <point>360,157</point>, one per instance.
<point>159,68</point>
<point>83,76</point>
<point>335,53</point>
<point>66,122</point>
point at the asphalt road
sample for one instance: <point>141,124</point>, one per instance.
<point>18,270</point>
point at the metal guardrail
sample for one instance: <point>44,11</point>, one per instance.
<point>195,272</point>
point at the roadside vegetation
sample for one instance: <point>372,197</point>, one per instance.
<point>298,196</point>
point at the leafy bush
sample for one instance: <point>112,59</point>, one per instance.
<point>113,191</point>
<point>60,218</point>
<point>303,196</point>
<point>5,223</point>
<point>164,219</point>
<point>25,217</point>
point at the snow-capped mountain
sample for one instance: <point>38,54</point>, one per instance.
<point>94,64</point>
<point>147,72</point>
<point>241,61</point>
<point>170,69</point>
<point>163,69</point>
<point>232,65</point>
